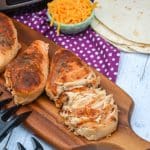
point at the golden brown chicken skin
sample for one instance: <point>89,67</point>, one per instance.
<point>6,32</point>
<point>68,72</point>
<point>26,76</point>
<point>84,105</point>
<point>9,45</point>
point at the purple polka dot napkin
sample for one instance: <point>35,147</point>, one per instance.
<point>88,45</point>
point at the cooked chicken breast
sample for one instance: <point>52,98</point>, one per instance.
<point>68,72</point>
<point>75,87</point>
<point>9,45</point>
<point>90,113</point>
<point>26,75</point>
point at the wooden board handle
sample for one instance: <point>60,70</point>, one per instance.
<point>128,140</point>
<point>124,140</point>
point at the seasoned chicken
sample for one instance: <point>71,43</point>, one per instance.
<point>68,72</point>
<point>90,113</point>
<point>26,75</point>
<point>87,110</point>
<point>9,45</point>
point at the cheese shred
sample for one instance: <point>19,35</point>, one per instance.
<point>69,11</point>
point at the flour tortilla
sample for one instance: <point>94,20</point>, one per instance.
<point>115,39</point>
<point>121,47</point>
<point>141,49</point>
<point>130,49</point>
<point>99,27</point>
<point>128,18</point>
<point>124,48</point>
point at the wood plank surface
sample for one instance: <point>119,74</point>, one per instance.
<point>134,78</point>
<point>120,137</point>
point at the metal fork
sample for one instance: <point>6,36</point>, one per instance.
<point>38,146</point>
<point>8,120</point>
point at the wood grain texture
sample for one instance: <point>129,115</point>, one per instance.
<point>46,122</point>
<point>134,78</point>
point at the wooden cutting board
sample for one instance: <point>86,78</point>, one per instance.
<point>46,123</point>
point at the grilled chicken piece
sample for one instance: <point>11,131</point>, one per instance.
<point>87,110</point>
<point>9,45</point>
<point>26,75</point>
<point>68,72</point>
<point>90,113</point>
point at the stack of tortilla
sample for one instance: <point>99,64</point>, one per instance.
<point>124,23</point>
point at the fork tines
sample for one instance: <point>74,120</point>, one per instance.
<point>7,113</point>
<point>8,120</point>
<point>14,121</point>
<point>37,144</point>
<point>20,146</point>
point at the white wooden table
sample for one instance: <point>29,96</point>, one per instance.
<point>134,78</point>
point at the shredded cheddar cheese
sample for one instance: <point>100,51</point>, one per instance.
<point>69,11</point>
